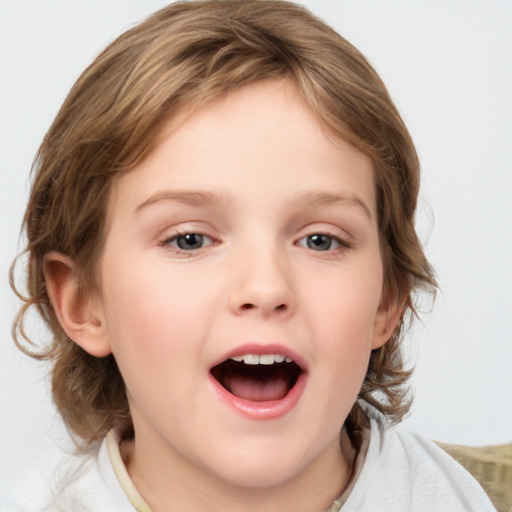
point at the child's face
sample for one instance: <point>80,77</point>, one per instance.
<point>248,230</point>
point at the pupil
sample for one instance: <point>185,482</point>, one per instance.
<point>190,241</point>
<point>319,242</point>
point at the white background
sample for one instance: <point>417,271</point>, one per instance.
<point>448,65</point>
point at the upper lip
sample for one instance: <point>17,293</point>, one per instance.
<point>263,348</point>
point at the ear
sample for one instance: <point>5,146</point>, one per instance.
<point>80,316</point>
<point>386,321</point>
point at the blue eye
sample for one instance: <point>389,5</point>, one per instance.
<point>189,241</point>
<point>321,242</point>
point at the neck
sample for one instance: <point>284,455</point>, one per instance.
<point>177,484</point>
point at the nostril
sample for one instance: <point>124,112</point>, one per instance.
<point>280,308</point>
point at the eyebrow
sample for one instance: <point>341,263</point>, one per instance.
<point>200,198</point>
<point>191,198</point>
<point>331,199</point>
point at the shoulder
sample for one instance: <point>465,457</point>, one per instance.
<point>404,471</point>
<point>85,483</point>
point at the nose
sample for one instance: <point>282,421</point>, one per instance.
<point>261,283</point>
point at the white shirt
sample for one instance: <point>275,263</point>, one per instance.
<point>404,472</point>
<point>401,472</point>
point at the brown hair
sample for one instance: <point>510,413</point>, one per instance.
<point>185,55</point>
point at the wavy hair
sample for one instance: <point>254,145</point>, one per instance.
<point>184,56</point>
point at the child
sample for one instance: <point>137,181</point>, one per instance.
<point>221,239</point>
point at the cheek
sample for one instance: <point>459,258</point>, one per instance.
<point>145,296</point>
<point>343,323</point>
<point>142,316</point>
<point>347,304</point>
<point>155,316</point>
<point>147,339</point>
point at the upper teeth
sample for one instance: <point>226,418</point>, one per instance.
<point>261,359</point>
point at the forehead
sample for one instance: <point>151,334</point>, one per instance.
<point>265,131</point>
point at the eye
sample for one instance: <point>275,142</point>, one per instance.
<point>189,241</point>
<point>321,242</point>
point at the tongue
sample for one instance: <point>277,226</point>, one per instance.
<point>258,390</point>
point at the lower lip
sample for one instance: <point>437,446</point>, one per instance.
<point>262,410</point>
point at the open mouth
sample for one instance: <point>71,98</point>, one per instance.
<point>258,378</point>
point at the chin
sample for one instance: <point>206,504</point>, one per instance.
<point>258,476</point>
<point>260,465</point>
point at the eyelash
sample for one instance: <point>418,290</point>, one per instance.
<point>342,243</point>
<point>167,243</point>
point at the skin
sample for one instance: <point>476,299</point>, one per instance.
<point>266,171</point>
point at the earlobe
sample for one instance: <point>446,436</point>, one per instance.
<point>386,321</point>
<point>79,316</point>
